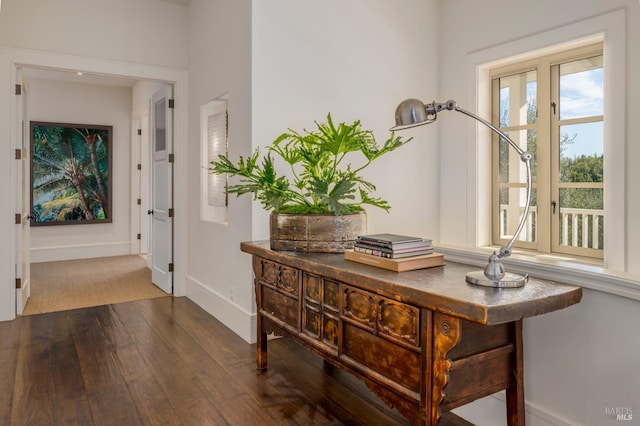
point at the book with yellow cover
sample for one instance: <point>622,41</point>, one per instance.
<point>398,265</point>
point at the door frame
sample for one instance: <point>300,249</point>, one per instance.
<point>140,183</point>
<point>21,170</point>
<point>18,58</point>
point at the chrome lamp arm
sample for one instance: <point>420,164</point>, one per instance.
<point>412,113</point>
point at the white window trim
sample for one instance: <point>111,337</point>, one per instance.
<point>610,28</point>
<point>209,213</point>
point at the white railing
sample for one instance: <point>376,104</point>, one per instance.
<point>578,227</point>
<point>528,232</point>
<point>574,221</point>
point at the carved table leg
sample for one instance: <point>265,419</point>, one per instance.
<point>515,393</point>
<point>261,347</point>
<point>446,335</point>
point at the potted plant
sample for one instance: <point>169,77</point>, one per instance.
<point>320,205</point>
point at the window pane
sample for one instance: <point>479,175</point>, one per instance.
<point>512,201</point>
<point>160,126</point>
<point>511,168</point>
<point>217,145</point>
<point>581,152</point>
<point>581,88</point>
<point>518,99</point>
<point>582,217</point>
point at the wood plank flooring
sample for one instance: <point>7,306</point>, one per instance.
<point>166,361</point>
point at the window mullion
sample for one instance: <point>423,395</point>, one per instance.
<point>555,156</point>
<point>495,157</point>
<point>543,154</point>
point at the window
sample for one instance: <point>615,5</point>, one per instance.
<point>213,142</point>
<point>551,106</point>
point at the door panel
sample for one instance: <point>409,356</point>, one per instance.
<point>161,255</point>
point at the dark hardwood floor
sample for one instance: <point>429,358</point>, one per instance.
<point>166,361</point>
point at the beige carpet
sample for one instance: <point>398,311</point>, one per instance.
<point>71,284</point>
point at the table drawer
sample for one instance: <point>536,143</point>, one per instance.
<point>280,306</point>
<point>398,363</point>
<point>398,321</point>
<point>360,306</point>
<point>280,276</point>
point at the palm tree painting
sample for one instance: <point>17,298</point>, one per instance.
<point>70,173</point>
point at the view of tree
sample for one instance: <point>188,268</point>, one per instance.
<point>580,169</point>
<point>70,173</point>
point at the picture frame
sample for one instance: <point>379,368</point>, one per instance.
<point>71,179</point>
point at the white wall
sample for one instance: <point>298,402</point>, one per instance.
<point>582,360</point>
<point>143,31</point>
<point>356,60</point>
<point>219,275</point>
<point>61,102</point>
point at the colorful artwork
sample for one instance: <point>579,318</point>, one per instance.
<point>70,174</point>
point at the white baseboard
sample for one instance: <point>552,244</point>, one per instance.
<point>238,319</point>
<point>491,411</point>
<point>85,251</point>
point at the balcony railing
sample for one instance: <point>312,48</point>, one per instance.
<point>578,227</point>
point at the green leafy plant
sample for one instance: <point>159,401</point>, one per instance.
<point>320,183</point>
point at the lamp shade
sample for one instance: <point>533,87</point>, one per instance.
<point>411,113</point>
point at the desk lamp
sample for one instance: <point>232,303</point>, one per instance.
<point>412,113</point>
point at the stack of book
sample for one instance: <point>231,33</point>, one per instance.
<point>392,246</point>
<point>395,252</point>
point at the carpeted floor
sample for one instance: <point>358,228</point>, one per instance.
<point>71,284</point>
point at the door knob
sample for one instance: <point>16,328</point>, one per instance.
<point>149,211</point>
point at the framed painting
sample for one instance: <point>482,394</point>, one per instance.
<point>70,173</point>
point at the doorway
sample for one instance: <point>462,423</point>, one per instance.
<point>65,97</point>
<point>21,60</point>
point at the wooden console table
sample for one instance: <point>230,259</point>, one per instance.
<point>424,341</point>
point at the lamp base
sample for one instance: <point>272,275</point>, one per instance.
<point>508,281</point>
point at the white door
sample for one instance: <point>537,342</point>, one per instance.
<point>23,199</point>
<point>161,210</point>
